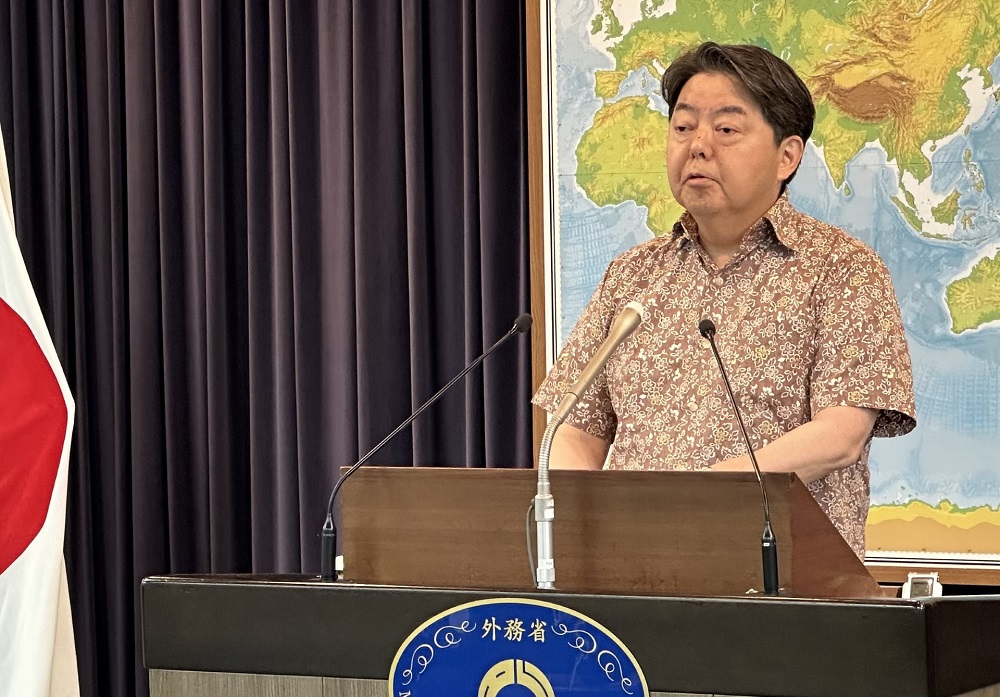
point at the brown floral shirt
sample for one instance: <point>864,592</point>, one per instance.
<point>806,318</point>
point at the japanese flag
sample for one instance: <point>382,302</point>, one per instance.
<point>37,655</point>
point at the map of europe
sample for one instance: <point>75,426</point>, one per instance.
<point>905,156</point>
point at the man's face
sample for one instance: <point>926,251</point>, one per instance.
<point>722,161</point>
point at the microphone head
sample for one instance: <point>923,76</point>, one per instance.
<point>637,307</point>
<point>522,323</point>
<point>707,328</point>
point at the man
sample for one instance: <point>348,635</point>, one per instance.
<point>807,321</point>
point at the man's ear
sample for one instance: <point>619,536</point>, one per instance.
<point>789,156</point>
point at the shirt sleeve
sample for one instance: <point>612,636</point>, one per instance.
<point>594,412</point>
<point>862,358</point>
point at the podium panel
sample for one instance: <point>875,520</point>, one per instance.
<point>270,632</point>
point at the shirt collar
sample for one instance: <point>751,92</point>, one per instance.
<point>780,218</point>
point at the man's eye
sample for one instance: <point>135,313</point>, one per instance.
<point>727,130</point>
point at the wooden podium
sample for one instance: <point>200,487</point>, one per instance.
<point>673,533</point>
<point>664,561</point>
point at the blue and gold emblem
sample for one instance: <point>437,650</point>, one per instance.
<point>514,648</point>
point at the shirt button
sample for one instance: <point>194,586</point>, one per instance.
<point>718,280</point>
<point>693,405</point>
<point>705,343</point>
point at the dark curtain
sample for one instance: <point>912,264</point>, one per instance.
<point>262,233</point>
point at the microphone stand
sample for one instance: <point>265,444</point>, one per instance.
<point>545,510</point>
<point>328,535</point>
<point>628,321</point>
<point>768,545</point>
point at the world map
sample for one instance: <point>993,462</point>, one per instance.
<point>905,156</point>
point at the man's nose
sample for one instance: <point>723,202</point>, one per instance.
<point>701,145</point>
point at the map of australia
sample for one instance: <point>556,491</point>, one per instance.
<point>905,155</point>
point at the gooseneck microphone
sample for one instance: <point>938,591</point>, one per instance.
<point>628,321</point>
<point>329,533</point>
<point>768,545</point>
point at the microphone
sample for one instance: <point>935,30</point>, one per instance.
<point>627,321</point>
<point>329,533</point>
<point>768,545</point>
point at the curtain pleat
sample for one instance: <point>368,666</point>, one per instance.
<point>262,233</point>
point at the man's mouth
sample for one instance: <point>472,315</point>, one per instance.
<point>696,177</point>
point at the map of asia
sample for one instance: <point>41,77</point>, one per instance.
<point>905,156</point>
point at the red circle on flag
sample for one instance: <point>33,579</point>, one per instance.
<point>33,419</point>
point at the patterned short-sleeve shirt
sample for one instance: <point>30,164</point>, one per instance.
<point>806,318</point>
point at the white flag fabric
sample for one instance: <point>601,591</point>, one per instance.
<point>37,654</point>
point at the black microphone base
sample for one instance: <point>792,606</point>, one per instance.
<point>769,556</point>
<point>328,563</point>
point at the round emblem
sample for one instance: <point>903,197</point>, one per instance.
<point>514,648</point>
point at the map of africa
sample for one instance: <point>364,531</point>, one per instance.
<point>905,156</point>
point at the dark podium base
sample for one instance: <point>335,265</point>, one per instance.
<point>275,636</point>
